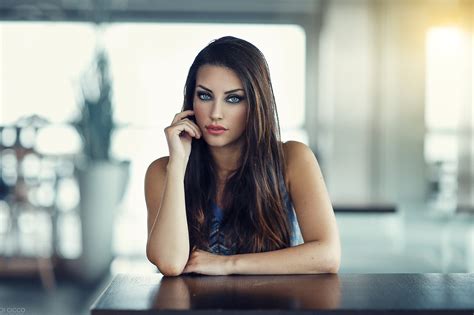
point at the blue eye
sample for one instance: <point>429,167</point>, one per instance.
<point>204,96</point>
<point>234,99</point>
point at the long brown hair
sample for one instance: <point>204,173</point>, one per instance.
<point>255,214</point>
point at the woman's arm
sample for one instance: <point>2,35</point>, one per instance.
<point>168,241</point>
<point>321,251</point>
<point>308,258</point>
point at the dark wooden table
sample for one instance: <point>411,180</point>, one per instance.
<point>296,294</point>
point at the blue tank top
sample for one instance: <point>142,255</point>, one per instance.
<point>218,243</point>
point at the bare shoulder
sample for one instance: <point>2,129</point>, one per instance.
<point>296,153</point>
<point>154,181</point>
<point>155,178</point>
<point>294,148</point>
<point>298,156</point>
<point>158,166</point>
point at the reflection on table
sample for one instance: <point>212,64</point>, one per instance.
<point>248,292</point>
<point>295,294</point>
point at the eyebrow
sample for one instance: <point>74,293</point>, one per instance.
<point>228,92</point>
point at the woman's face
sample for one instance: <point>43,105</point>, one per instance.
<point>220,105</point>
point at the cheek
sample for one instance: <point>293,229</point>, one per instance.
<point>199,114</point>
<point>242,118</point>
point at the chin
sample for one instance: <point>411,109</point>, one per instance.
<point>216,142</point>
<point>220,143</point>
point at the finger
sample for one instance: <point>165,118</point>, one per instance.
<point>194,255</point>
<point>179,116</point>
<point>193,125</point>
<point>188,269</point>
<point>180,128</point>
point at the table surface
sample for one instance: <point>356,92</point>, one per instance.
<point>341,294</point>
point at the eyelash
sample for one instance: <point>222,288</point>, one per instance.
<point>203,96</point>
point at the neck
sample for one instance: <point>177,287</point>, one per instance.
<point>226,160</point>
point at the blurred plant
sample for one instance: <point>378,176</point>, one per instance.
<point>95,124</point>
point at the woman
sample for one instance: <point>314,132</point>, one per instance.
<point>222,202</point>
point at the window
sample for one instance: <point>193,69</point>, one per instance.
<point>448,104</point>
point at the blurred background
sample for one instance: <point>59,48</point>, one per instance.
<point>381,90</point>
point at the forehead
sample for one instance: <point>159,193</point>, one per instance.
<point>218,78</point>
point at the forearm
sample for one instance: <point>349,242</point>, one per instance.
<point>168,242</point>
<point>309,258</point>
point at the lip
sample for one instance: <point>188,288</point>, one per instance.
<point>215,129</point>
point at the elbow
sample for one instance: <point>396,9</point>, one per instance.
<point>330,266</point>
<point>334,261</point>
<point>170,268</point>
<point>333,266</point>
<point>330,259</point>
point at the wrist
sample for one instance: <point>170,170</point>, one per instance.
<point>230,264</point>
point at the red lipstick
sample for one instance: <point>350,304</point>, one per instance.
<point>215,129</point>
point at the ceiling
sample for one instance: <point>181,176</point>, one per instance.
<point>160,10</point>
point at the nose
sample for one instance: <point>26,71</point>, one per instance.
<point>216,110</point>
